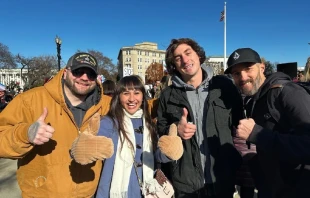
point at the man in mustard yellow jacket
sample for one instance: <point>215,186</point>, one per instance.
<point>39,126</point>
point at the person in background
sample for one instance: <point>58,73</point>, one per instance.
<point>39,126</point>
<point>300,76</point>
<point>108,87</point>
<point>164,82</point>
<point>306,73</point>
<point>3,102</point>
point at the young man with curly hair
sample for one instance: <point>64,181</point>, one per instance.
<point>205,108</point>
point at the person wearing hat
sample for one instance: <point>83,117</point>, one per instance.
<point>277,122</point>
<point>38,127</point>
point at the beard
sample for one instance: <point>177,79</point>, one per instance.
<point>256,85</point>
<point>78,92</point>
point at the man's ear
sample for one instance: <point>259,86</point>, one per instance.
<point>262,67</point>
<point>65,73</point>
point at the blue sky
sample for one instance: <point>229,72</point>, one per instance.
<point>278,30</point>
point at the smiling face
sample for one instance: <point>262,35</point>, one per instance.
<point>80,82</point>
<point>248,77</point>
<point>186,61</point>
<point>131,100</point>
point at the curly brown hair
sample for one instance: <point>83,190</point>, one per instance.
<point>174,44</point>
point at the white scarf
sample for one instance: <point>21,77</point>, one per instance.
<point>124,158</point>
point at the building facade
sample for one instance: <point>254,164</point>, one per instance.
<point>15,75</point>
<point>136,59</point>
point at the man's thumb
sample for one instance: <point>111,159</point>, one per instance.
<point>43,115</point>
<point>185,112</point>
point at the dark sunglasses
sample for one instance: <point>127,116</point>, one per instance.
<point>81,71</point>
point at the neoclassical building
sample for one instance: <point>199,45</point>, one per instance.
<point>8,75</point>
<point>136,59</point>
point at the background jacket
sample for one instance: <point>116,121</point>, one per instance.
<point>47,170</point>
<point>224,110</point>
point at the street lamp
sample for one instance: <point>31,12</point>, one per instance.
<point>58,44</point>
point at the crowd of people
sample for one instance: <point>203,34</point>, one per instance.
<point>77,137</point>
<point>6,96</point>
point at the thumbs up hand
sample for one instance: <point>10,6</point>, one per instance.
<point>171,144</point>
<point>185,129</point>
<point>40,132</point>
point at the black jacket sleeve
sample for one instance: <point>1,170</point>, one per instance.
<point>162,122</point>
<point>293,147</point>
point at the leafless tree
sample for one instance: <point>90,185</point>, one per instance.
<point>7,60</point>
<point>39,69</point>
<point>269,67</point>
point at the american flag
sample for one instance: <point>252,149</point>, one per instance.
<point>222,15</point>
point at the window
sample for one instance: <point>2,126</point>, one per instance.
<point>146,53</point>
<point>127,52</point>
<point>139,52</point>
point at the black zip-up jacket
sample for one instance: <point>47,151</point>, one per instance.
<point>224,111</point>
<point>282,137</point>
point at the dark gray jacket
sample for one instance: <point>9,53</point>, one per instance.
<point>224,111</point>
<point>282,137</point>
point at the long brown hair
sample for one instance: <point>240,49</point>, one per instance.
<point>116,109</point>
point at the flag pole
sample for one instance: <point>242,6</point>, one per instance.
<point>225,14</point>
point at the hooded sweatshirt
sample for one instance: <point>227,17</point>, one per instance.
<point>47,170</point>
<point>197,98</point>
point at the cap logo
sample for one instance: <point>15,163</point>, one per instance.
<point>236,56</point>
<point>86,59</point>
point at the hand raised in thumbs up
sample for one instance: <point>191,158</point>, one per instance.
<point>186,130</point>
<point>171,144</point>
<point>40,132</point>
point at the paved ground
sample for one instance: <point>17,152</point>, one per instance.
<point>8,184</point>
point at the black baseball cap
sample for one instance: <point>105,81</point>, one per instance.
<point>83,59</point>
<point>242,55</point>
